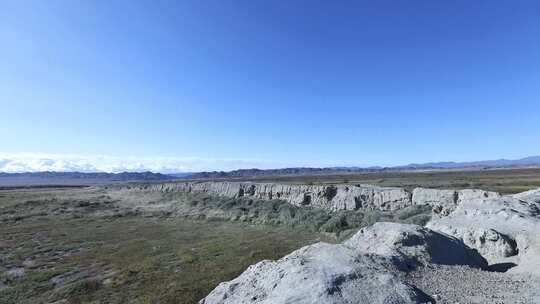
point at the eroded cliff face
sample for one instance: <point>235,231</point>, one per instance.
<point>446,201</point>
<point>331,197</point>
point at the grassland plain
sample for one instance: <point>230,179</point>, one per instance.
<point>76,257</point>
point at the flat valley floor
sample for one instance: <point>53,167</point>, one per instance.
<point>67,252</point>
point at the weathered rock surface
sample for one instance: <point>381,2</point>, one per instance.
<point>330,197</point>
<point>442,201</point>
<point>414,245</point>
<point>470,194</point>
<point>334,197</point>
<point>491,244</point>
<point>503,229</point>
<point>446,201</point>
<point>531,196</point>
<point>365,269</point>
<point>319,273</point>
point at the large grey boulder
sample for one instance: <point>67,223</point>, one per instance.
<point>491,244</point>
<point>413,245</point>
<point>364,269</point>
<point>503,229</point>
<point>320,273</point>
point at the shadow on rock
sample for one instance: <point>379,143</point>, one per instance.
<point>501,267</point>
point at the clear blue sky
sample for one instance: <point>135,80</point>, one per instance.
<point>283,82</point>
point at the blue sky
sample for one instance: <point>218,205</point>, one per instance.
<point>198,85</point>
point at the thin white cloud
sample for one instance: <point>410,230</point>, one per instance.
<point>34,162</point>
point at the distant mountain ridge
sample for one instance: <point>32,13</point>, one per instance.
<point>487,164</point>
<point>85,178</point>
<point>527,161</point>
<point>123,176</point>
<point>76,178</point>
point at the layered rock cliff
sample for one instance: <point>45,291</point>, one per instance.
<point>331,197</point>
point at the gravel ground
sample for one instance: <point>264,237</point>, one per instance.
<point>464,285</point>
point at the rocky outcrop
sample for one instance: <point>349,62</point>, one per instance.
<point>470,194</point>
<point>532,197</point>
<point>331,197</point>
<point>414,245</point>
<point>364,269</point>
<point>446,201</point>
<point>320,273</point>
<point>442,201</point>
<point>503,229</point>
<point>490,243</point>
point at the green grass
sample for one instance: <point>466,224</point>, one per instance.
<point>279,213</point>
<point>146,260</point>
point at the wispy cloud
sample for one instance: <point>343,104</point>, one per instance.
<point>33,162</point>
